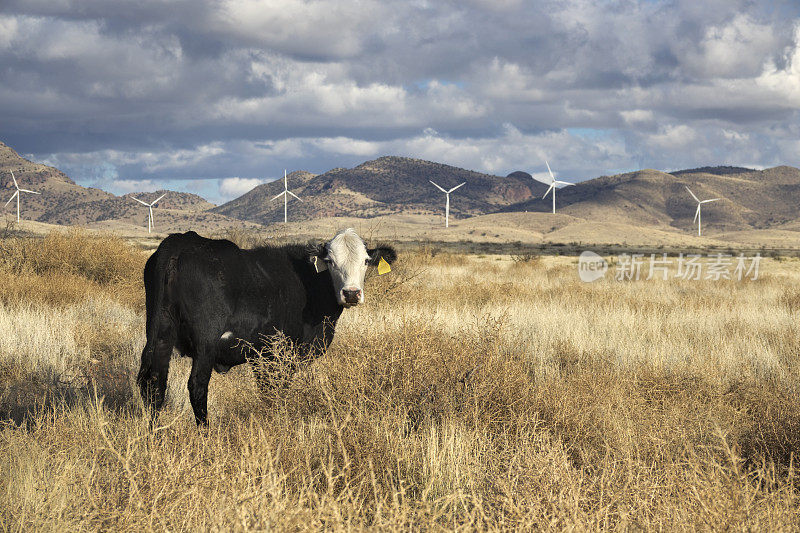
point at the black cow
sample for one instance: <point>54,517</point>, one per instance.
<point>204,296</point>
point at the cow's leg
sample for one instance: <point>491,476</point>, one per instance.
<point>198,386</point>
<point>154,367</point>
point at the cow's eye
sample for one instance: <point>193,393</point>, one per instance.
<point>366,261</point>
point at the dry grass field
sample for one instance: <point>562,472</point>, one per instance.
<point>468,393</point>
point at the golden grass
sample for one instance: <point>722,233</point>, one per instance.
<point>67,267</point>
<point>469,392</point>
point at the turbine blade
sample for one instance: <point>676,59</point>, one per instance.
<point>437,186</point>
<point>564,183</point>
<point>552,186</point>
<point>157,199</point>
<point>293,194</point>
<point>32,192</point>
<point>141,202</point>
<point>15,179</point>
<point>12,197</point>
<point>696,213</point>
<point>552,178</point>
<point>278,196</point>
<point>456,187</point>
<point>690,192</point>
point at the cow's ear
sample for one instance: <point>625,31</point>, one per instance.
<point>315,254</point>
<point>386,252</point>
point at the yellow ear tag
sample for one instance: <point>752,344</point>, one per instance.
<point>383,267</point>
<point>319,264</point>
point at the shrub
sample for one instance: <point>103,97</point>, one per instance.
<point>67,266</point>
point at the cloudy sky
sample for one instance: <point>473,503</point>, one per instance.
<point>216,96</point>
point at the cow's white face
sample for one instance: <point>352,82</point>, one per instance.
<point>347,261</point>
<point>347,258</point>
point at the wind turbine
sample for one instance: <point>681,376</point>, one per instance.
<point>16,193</point>
<point>697,217</point>
<point>447,205</point>
<point>150,224</point>
<point>286,192</point>
<point>552,183</point>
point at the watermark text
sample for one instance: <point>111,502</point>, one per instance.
<point>692,267</point>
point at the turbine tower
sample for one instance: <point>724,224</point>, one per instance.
<point>552,182</point>
<point>150,225</point>
<point>447,204</point>
<point>697,216</point>
<point>16,193</point>
<point>286,192</point>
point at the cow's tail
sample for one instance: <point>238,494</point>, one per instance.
<point>151,289</point>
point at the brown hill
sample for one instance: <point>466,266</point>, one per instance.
<point>755,205</point>
<point>383,186</point>
<point>749,199</point>
<point>719,170</point>
<point>64,202</point>
<point>58,192</point>
<point>185,201</point>
<point>257,204</point>
<point>126,209</point>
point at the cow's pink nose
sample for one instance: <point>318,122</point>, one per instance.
<point>351,296</point>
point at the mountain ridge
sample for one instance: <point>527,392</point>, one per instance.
<point>392,185</point>
<point>64,202</point>
<point>386,185</point>
<point>753,199</point>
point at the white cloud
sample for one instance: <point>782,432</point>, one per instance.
<point>234,187</point>
<point>509,81</point>
<point>8,30</point>
<point>152,162</point>
<point>312,94</point>
<point>637,116</point>
<point>496,5</point>
<point>127,186</point>
<point>201,89</point>
<point>333,28</point>
<point>739,48</point>
<point>345,145</point>
<point>734,135</point>
<point>673,137</point>
<point>785,82</point>
<point>320,94</point>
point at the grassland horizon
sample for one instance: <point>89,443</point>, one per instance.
<point>471,391</point>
